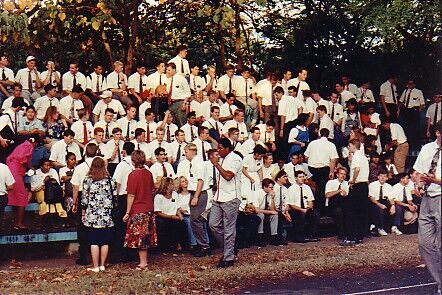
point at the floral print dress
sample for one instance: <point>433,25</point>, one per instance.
<point>97,199</point>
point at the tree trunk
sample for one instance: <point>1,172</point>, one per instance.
<point>238,43</point>
<point>132,43</point>
<point>107,47</point>
<point>222,54</point>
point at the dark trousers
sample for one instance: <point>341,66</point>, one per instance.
<point>305,225</point>
<point>392,108</point>
<point>117,250</point>
<point>82,239</point>
<point>3,204</point>
<point>320,177</point>
<point>246,228</point>
<point>411,123</point>
<point>356,211</point>
<point>398,217</point>
<point>378,215</point>
<point>283,227</point>
<point>170,232</point>
<point>336,211</point>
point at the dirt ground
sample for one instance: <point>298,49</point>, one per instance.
<point>183,274</point>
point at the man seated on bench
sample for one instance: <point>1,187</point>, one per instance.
<point>39,181</point>
<point>403,202</point>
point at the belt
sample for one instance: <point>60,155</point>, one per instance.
<point>402,143</point>
<point>413,108</point>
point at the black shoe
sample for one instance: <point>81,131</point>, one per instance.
<point>283,242</point>
<point>274,241</point>
<point>359,242</point>
<point>225,264</point>
<point>81,262</point>
<point>202,252</point>
<point>261,242</point>
<point>300,241</point>
<point>375,233</point>
<point>312,239</point>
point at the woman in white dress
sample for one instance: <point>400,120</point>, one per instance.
<point>251,176</point>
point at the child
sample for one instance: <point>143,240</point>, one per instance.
<point>374,167</point>
<point>171,228</point>
<point>403,202</point>
<point>183,203</point>
<point>388,163</point>
<point>38,182</point>
<point>335,192</point>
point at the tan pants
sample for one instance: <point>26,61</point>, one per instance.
<point>48,208</point>
<point>400,156</point>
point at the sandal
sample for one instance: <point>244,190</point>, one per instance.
<point>142,268</point>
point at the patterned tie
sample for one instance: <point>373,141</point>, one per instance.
<point>85,134</point>
<point>302,198</point>
<point>106,133</point>
<point>148,133</point>
<point>30,88</point>
<point>164,170</point>
<point>168,137</point>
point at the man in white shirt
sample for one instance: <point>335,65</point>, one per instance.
<point>42,103</point>
<point>197,83</point>
<point>179,93</point>
<point>117,83</point>
<point>228,108</point>
<point>254,140</point>
<point>169,127</point>
<point>148,124</point>
<point>6,184</point>
<point>29,124</point>
<point>365,94</point>
<point>211,101</point>
<point>389,98</point>
<point>213,123</point>
<point>300,202</point>
<point>203,143</point>
<point>267,136</point>
<point>299,82</point>
<point>228,83</point>
<point>182,65</point>
<point>140,143</point>
<point>29,78</point>
<point>287,75</point>
<point>82,128</point>
<point>381,202</point>
<point>237,122</point>
<point>398,142</point>
<point>51,76</point>
<point>159,142</point>
<point>158,78</point>
<point>226,200</point>
<point>114,150</point>
<point>9,127</point>
<point>344,95</point>
<point>308,105</point>
<point>128,124</point>
<point>177,148</point>
<point>412,103</point>
<point>433,115</point>
<point>161,168</point>
<point>356,208</point>
<point>105,103</point>
<point>62,147</point>
<point>6,78</point>
<point>335,192</point>
<point>70,104</point>
<point>74,79</point>
<point>288,110</point>
<point>321,157</point>
<point>211,80</point>
<point>193,169</point>
<point>336,109</point>
<point>244,96</point>
<point>320,101</point>
<point>107,124</point>
<point>346,81</point>
<point>267,102</point>
<point>428,165</point>
<point>96,83</point>
<point>403,201</point>
<point>293,166</point>
<point>324,121</point>
<point>137,83</point>
<point>190,130</point>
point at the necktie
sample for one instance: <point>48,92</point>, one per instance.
<point>141,84</point>
<point>128,131</point>
<point>230,84</point>
<point>190,169</point>
<point>106,132</point>
<point>204,152</point>
<point>148,133</point>
<point>194,84</point>
<point>164,170</point>
<point>393,93</point>
<point>436,112</point>
<point>178,154</point>
<point>30,88</point>
<point>265,136</point>
<point>50,79</point>
<point>118,152</point>
<point>214,178</point>
<point>434,161</point>
<point>302,198</point>
<point>247,90</point>
<point>267,207</point>
<point>333,112</point>
<point>340,99</point>
<point>15,122</point>
<point>168,134</point>
<point>159,144</point>
<point>280,199</point>
<point>297,87</point>
<point>67,149</point>
<point>98,84</point>
<point>119,82</point>
<point>273,100</point>
<point>160,80</point>
<point>191,133</point>
<point>74,81</point>
<point>381,192</point>
<point>404,195</point>
<point>169,98</point>
<point>71,113</point>
<point>182,66</point>
<point>3,74</point>
<point>230,110</point>
<point>85,133</point>
<point>50,102</point>
<point>216,127</point>
<point>408,98</point>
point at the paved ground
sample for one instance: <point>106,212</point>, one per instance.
<point>386,281</point>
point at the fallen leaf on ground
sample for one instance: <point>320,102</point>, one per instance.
<point>421,265</point>
<point>308,273</point>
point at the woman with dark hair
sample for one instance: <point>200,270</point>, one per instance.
<point>97,203</point>
<point>54,126</point>
<point>18,162</point>
<point>299,135</point>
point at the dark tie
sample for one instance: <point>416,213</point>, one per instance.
<point>191,133</point>
<point>247,89</point>
<point>67,149</point>
<point>148,133</point>
<point>265,136</point>
<point>141,84</point>
<point>74,81</point>
<point>190,170</point>
<point>381,193</point>
<point>98,84</point>
<point>128,131</point>
<point>16,122</point>
<point>204,152</point>
<point>333,112</point>
<point>267,207</point>
<point>436,112</point>
<point>169,98</point>
<point>85,135</point>
<point>216,127</point>
<point>178,154</point>
<point>168,134</point>
<point>393,93</point>
<point>118,152</point>
<point>50,102</point>
<point>280,198</point>
<point>408,98</point>
<point>160,80</point>
<point>273,100</point>
<point>50,79</point>
<point>340,99</point>
<point>214,178</point>
<point>164,170</point>
<point>297,87</point>
<point>3,74</point>
<point>302,198</point>
<point>404,195</point>
<point>106,133</point>
<point>182,66</point>
<point>230,85</point>
<point>119,82</point>
<point>72,113</point>
<point>30,88</point>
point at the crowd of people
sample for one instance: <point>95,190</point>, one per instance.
<point>180,161</point>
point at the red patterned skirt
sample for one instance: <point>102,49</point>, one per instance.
<point>141,231</point>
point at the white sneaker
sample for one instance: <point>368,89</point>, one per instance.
<point>382,232</point>
<point>93,269</point>
<point>396,231</point>
<point>372,227</point>
<point>102,268</point>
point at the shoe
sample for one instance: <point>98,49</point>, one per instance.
<point>300,241</point>
<point>396,231</point>
<point>372,227</point>
<point>93,269</point>
<point>81,262</point>
<point>202,252</point>
<point>274,241</point>
<point>347,243</point>
<point>102,268</point>
<point>382,232</point>
<point>358,242</point>
<point>261,241</point>
<point>375,233</point>
<point>225,264</point>
<point>313,239</point>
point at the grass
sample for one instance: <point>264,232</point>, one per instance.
<point>182,274</point>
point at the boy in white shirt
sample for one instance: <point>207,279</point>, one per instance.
<point>105,103</point>
<point>83,128</point>
<point>403,201</point>
<point>161,168</point>
<point>335,192</point>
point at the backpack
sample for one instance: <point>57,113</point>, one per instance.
<point>53,193</point>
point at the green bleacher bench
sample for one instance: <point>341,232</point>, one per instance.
<point>24,238</point>
<point>32,207</point>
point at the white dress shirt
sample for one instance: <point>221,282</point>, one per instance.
<point>133,82</point>
<point>179,87</point>
<point>240,125</point>
<point>197,83</point>
<point>59,151</point>
<point>288,106</point>
<point>365,94</point>
<point>121,174</point>
<point>181,63</point>
<point>68,106</point>
<point>193,171</point>
<point>156,79</point>
<point>91,82</point>
<point>224,83</point>
<point>101,106</point>
<point>320,152</point>
<point>154,144</point>
<point>423,165</point>
<point>67,80</point>
<point>22,78</point>
<point>6,179</point>
<point>333,185</point>
<point>116,80</point>
<point>431,112</point>
<point>199,145</point>
<point>78,128</point>
<point>42,104</point>
<point>301,85</point>
<point>228,190</point>
<point>397,133</point>
<point>123,124</point>
<point>397,193</point>
<point>374,190</point>
<point>294,195</point>
<point>152,128</point>
<point>189,131</point>
<point>389,91</point>
<point>227,110</point>
<point>157,170</point>
<point>412,98</point>
<point>266,136</point>
<point>44,74</point>
<point>359,160</point>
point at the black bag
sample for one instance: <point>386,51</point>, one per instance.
<point>53,193</point>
